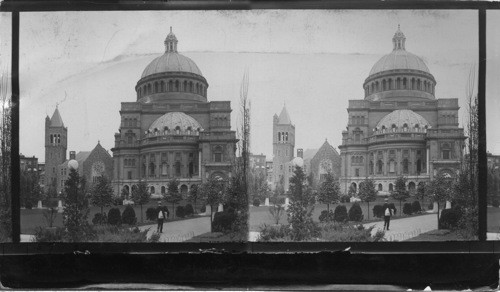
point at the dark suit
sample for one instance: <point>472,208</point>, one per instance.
<point>387,219</point>
<point>160,220</point>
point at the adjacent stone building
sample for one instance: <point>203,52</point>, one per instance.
<point>172,131</point>
<point>400,127</point>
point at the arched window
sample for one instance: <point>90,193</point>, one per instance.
<point>218,154</point>
<point>390,84</point>
<point>355,187</point>
<point>152,190</point>
<point>384,85</point>
<point>170,85</point>
<point>391,188</point>
<point>376,86</point>
<point>157,87</point>
<point>398,83</point>
<point>152,169</point>
<point>383,129</point>
<point>446,150</point>
<point>162,190</point>
<point>394,128</point>
<point>279,136</point>
<point>191,169</point>
<point>419,166</point>
<point>129,139</point>
<point>425,129</point>
<point>380,187</point>
<point>411,186</point>
<point>126,192</point>
<point>177,130</point>
<point>177,85</point>
<point>392,166</point>
<point>197,88</point>
<point>379,166</point>
<point>190,86</point>
<point>417,128</point>
<point>405,165</point>
<point>185,87</point>
<point>144,170</point>
<point>51,139</point>
<point>413,83</point>
<point>149,88</point>
<point>404,83</point>
<point>188,131</point>
<point>162,89</point>
<point>177,168</point>
<point>58,138</point>
<point>405,127</point>
<point>286,136</point>
<point>139,92</point>
<point>164,169</point>
<point>419,82</point>
<point>144,89</point>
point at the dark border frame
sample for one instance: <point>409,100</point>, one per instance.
<point>17,7</point>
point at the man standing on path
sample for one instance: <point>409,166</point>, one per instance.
<point>387,214</point>
<point>161,217</point>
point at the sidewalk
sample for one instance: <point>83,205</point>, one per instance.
<point>178,231</point>
<point>405,228</point>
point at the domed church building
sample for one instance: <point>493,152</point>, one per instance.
<point>400,128</point>
<point>172,131</point>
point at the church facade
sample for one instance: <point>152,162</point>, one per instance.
<point>400,128</point>
<point>172,131</point>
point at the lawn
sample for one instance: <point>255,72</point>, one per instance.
<point>34,217</point>
<point>438,235</point>
<point>260,215</point>
<point>493,219</point>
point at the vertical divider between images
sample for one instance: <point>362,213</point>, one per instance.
<point>14,149</point>
<point>482,159</point>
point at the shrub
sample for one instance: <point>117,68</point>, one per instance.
<point>256,202</point>
<point>345,199</point>
<point>407,210</point>
<point>117,201</point>
<point>340,214</point>
<point>100,219</point>
<point>415,207</point>
<point>155,237</point>
<point>223,221</point>
<point>152,214</point>
<point>114,217</point>
<point>179,212</point>
<point>120,234</point>
<point>128,216</point>
<point>449,218</point>
<point>274,233</point>
<point>53,234</point>
<point>495,203</point>
<point>355,213</point>
<point>203,209</point>
<point>394,210</point>
<point>28,205</point>
<point>378,211</point>
<point>333,232</point>
<point>325,216</point>
<point>188,210</point>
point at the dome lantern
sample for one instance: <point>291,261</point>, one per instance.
<point>399,40</point>
<point>171,42</point>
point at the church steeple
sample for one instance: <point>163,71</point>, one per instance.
<point>398,40</point>
<point>171,43</point>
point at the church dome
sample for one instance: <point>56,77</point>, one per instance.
<point>171,60</point>
<point>175,120</point>
<point>400,118</point>
<point>399,60</point>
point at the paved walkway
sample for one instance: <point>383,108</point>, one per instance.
<point>405,228</point>
<point>178,231</point>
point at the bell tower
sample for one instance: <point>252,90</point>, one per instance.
<point>283,144</point>
<point>56,143</point>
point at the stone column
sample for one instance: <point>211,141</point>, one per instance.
<point>448,205</point>
<point>39,205</point>
<point>221,208</point>
<point>267,202</point>
<point>435,207</point>
<point>60,207</point>
<point>427,159</point>
<point>199,164</point>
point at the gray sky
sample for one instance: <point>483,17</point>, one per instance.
<point>492,81</point>
<point>5,44</point>
<point>315,61</point>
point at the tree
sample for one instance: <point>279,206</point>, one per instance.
<point>193,195</point>
<point>5,158</point>
<point>257,185</point>
<point>301,207</point>
<point>329,191</point>
<point>101,193</point>
<point>352,191</point>
<point>439,190</point>
<point>76,209</point>
<point>236,202</point>
<point>31,192</point>
<point>400,192</point>
<point>141,195</point>
<point>421,192</point>
<point>367,192</point>
<point>212,193</point>
<point>173,195</point>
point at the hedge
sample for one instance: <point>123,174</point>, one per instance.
<point>179,212</point>
<point>223,221</point>
<point>256,202</point>
<point>188,210</point>
<point>152,214</point>
<point>449,218</point>
<point>114,217</point>
<point>340,214</point>
<point>128,216</point>
<point>415,207</point>
<point>407,209</point>
<point>325,216</point>
<point>378,211</point>
<point>99,219</point>
<point>355,213</point>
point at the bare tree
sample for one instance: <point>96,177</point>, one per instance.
<point>5,155</point>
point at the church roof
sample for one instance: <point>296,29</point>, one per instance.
<point>325,147</point>
<point>284,118</point>
<point>401,117</point>
<point>56,120</point>
<point>171,60</point>
<point>399,58</point>
<point>173,120</point>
